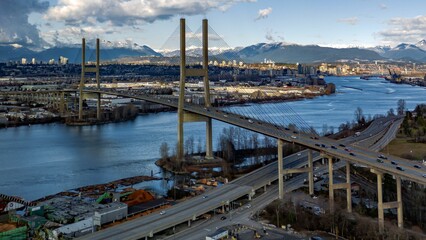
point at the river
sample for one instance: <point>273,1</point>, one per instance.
<point>46,159</point>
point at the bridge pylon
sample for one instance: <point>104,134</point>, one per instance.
<point>184,72</point>
<point>84,69</point>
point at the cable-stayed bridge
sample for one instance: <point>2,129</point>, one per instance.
<point>264,123</point>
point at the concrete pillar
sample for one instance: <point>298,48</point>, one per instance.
<point>330,184</point>
<point>209,137</point>
<point>181,89</point>
<point>310,173</point>
<point>62,104</point>
<point>348,189</point>
<point>83,65</point>
<point>98,83</point>
<point>189,223</point>
<point>264,188</point>
<point>380,202</point>
<point>399,200</point>
<point>98,107</point>
<point>206,63</point>
<point>280,170</point>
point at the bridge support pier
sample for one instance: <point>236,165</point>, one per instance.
<point>184,72</point>
<point>62,104</point>
<point>280,169</point>
<point>209,141</point>
<point>189,223</point>
<point>348,187</point>
<point>399,202</point>
<point>98,107</point>
<point>310,173</point>
<point>381,206</point>
<point>330,185</point>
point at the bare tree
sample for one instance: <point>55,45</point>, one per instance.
<point>401,106</point>
<point>164,150</point>
<point>359,117</point>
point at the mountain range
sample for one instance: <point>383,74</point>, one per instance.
<point>277,52</point>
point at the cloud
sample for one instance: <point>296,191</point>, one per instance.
<point>350,21</point>
<point>263,13</point>
<point>383,6</point>
<point>408,30</point>
<point>130,12</point>
<point>72,35</point>
<point>273,36</point>
<point>15,28</point>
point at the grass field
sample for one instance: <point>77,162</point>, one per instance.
<point>402,148</point>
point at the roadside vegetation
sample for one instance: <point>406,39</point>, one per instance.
<point>411,138</point>
<point>350,226</point>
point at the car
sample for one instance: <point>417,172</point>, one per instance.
<point>248,206</point>
<point>424,175</point>
<point>348,150</point>
<point>286,128</point>
<point>323,145</point>
<point>342,145</point>
<point>382,156</point>
<point>417,166</point>
<point>225,115</point>
<point>379,160</point>
<point>295,132</point>
<point>250,121</point>
<point>317,144</point>
<point>162,212</point>
<point>333,147</point>
<point>394,163</point>
<point>292,136</point>
<point>314,137</point>
<point>352,154</point>
<point>205,196</point>
<point>314,197</point>
<point>400,168</point>
<point>222,218</point>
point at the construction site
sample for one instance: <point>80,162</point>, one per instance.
<point>83,210</point>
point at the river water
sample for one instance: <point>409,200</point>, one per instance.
<point>45,159</point>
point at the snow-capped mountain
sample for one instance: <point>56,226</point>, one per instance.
<point>292,53</point>
<point>195,51</point>
<point>404,51</point>
<point>421,44</point>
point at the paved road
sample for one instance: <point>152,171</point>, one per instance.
<point>360,155</point>
<point>197,206</point>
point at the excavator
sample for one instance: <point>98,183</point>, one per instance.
<point>394,77</point>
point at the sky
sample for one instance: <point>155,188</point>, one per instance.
<point>336,23</point>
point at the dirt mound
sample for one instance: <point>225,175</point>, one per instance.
<point>139,196</point>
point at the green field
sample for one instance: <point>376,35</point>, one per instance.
<point>402,148</point>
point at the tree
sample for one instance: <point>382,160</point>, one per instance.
<point>391,112</point>
<point>164,150</point>
<point>401,106</point>
<point>359,117</point>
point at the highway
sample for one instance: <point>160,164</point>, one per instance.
<point>357,154</point>
<point>190,209</point>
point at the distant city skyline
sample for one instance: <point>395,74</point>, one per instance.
<point>334,23</point>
